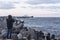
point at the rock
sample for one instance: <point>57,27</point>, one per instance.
<point>32,33</point>
<point>32,39</point>
<point>19,36</point>
<point>16,30</point>
<point>1,39</point>
<point>1,36</point>
<point>4,33</point>
<point>9,39</point>
<point>24,38</point>
<point>14,36</point>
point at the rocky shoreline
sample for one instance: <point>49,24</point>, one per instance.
<point>24,33</point>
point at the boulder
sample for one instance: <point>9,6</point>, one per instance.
<point>1,39</point>
<point>25,38</point>
<point>9,39</point>
<point>4,33</point>
<point>32,39</point>
<point>14,36</point>
<point>19,36</point>
<point>16,30</point>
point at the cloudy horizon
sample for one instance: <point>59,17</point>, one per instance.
<point>38,8</point>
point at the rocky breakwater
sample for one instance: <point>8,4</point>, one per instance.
<point>19,32</point>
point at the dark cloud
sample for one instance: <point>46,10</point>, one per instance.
<point>42,1</point>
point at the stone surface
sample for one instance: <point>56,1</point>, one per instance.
<point>3,34</point>
<point>14,36</point>
<point>19,36</point>
<point>8,39</point>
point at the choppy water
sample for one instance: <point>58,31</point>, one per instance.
<point>47,24</point>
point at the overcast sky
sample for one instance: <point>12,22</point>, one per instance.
<point>41,8</point>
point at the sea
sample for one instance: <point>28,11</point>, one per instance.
<point>45,24</point>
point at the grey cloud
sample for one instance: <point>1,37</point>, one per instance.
<point>34,4</point>
<point>42,1</point>
<point>54,7</point>
<point>17,2</point>
<point>7,5</point>
<point>44,7</point>
<point>23,7</point>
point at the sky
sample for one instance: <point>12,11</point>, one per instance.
<point>37,8</point>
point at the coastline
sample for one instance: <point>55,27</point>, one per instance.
<point>29,28</point>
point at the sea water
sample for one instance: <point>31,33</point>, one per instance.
<point>46,24</point>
